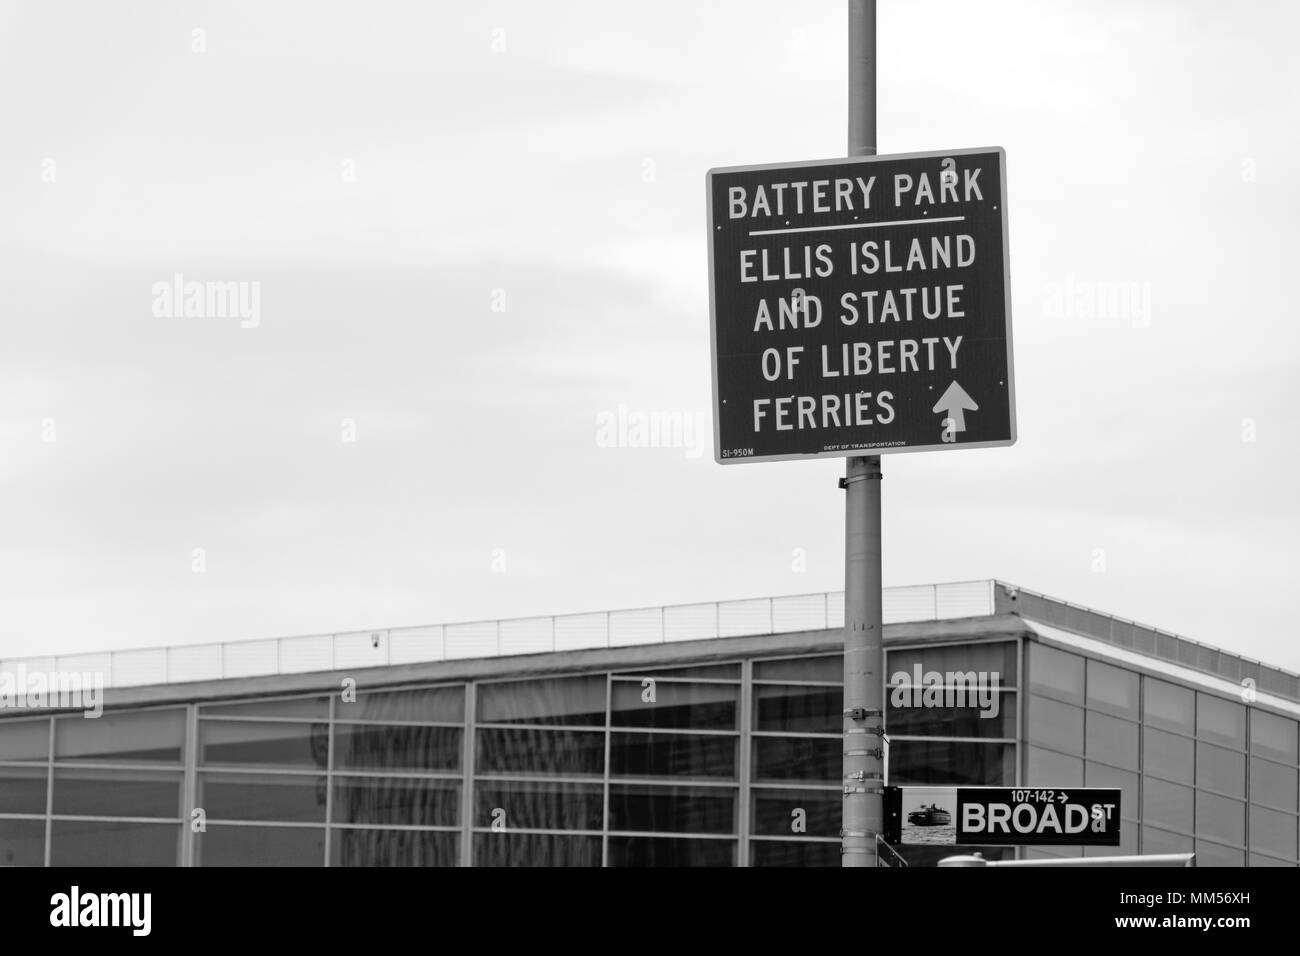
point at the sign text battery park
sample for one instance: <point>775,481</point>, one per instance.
<point>860,306</point>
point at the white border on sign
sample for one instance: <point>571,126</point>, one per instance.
<point>884,449</point>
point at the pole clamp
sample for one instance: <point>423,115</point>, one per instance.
<point>861,713</point>
<point>845,481</point>
<point>849,790</point>
<point>862,775</point>
<point>877,752</point>
<point>864,834</point>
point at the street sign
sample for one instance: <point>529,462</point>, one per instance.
<point>860,306</point>
<point>1006,816</point>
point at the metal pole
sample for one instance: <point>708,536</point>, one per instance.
<point>862,77</point>
<point>864,655</point>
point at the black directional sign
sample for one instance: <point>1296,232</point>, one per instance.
<point>1002,816</point>
<point>861,306</point>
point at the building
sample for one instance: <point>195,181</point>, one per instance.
<point>695,735</point>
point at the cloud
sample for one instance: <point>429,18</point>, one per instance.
<point>391,181</point>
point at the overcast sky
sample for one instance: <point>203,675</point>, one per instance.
<point>478,227</point>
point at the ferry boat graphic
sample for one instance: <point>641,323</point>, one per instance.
<point>931,816</point>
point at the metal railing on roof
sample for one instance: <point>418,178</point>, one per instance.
<point>1161,644</point>
<point>532,635</point>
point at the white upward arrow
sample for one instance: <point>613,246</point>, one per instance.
<point>954,404</point>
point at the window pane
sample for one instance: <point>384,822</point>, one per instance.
<point>1221,770</point>
<point>1167,755</point>
<point>829,669</point>
<point>22,842</point>
<point>519,750</point>
<point>539,806</point>
<point>1162,841</point>
<point>26,739</point>
<point>672,809</point>
<point>941,762</point>
<point>1112,689</point>
<point>1271,736</point>
<point>236,743</point>
<point>1273,832</point>
<point>811,710</point>
<point>1166,804</point>
<point>793,853</point>
<point>445,705</point>
<point>22,789</point>
<point>308,708</point>
<point>655,851</point>
<point>142,736</point>
<point>676,706</point>
<point>1055,725</point>
<point>991,716</point>
<point>1112,740</point>
<point>1272,784</point>
<point>568,701</point>
<point>117,793</point>
<point>1256,860</point>
<point>405,801</point>
<point>535,849</point>
<point>260,846</point>
<point>672,755</point>
<point>1047,768</point>
<point>1212,854</point>
<point>798,758</point>
<point>394,848</point>
<point>96,843</point>
<point>779,812</point>
<point>1220,818</point>
<point>1222,721</point>
<point>397,747</point>
<point>1100,775</point>
<point>1054,672</point>
<point>297,798</point>
<point>1168,706</point>
<point>914,663</point>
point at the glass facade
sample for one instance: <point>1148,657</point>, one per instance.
<point>1198,771</point>
<point>718,764</point>
<point>1081,726</point>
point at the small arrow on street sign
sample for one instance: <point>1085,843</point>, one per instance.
<point>954,403</point>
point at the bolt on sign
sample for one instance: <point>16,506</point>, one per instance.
<point>1002,816</point>
<point>860,306</point>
